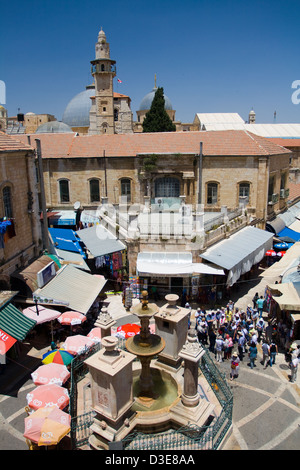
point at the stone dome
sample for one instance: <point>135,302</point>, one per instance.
<point>147,101</point>
<point>53,127</point>
<point>77,112</point>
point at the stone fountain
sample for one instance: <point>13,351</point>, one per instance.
<point>145,346</point>
<point>140,396</point>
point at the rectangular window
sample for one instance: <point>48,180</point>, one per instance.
<point>94,191</point>
<point>64,191</point>
<point>7,202</point>
<point>212,193</point>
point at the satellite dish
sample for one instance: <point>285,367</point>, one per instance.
<point>77,205</point>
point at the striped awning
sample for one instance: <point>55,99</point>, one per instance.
<point>14,325</point>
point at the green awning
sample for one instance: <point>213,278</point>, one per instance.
<point>14,322</point>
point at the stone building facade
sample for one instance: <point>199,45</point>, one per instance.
<point>22,240</point>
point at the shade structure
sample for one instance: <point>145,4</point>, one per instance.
<point>78,343</point>
<point>95,334</point>
<point>128,330</point>
<point>48,395</point>
<point>50,374</point>
<point>58,356</point>
<point>281,246</point>
<point>41,314</point>
<point>47,426</point>
<point>71,318</point>
<point>281,253</point>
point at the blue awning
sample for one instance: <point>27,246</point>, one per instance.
<point>287,232</point>
<point>66,239</point>
<point>63,218</point>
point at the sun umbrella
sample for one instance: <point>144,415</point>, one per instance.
<point>41,314</point>
<point>128,330</point>
<point>48,395</point>
<point>58,356</point>
<point>281,253</point>
<point>281,246</point>
<point>71,318</point>
<point>77,344</point>
<point>95,334</point>
<point>50,374</point>
<point>47,426</point>
<point>270,253</point>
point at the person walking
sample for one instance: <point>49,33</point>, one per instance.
<point>266,353</point>
<point>254,300</point>
<point>234,366</point>
<point>241,345</point>
<point>260,329</point>
<point>260,305</point>
<point>273,352</point>
<point>219,348</point>
<point>294,369</point>
<point>252,354</point>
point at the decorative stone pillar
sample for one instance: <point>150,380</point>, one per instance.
<point>191,353</point>
<point>105,322</point>
<point>172,325</point>
<point>111,388</point>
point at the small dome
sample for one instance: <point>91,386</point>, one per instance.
<point>147,101</point>
<point>77,112</point>
<point>53,127</point>
<point>30,114</point>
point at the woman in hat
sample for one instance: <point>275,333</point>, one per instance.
<point>234,366</point>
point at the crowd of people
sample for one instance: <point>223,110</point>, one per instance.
<point>232,334</point>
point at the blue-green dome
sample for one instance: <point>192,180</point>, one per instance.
<point>77,112</point>
<point>147,101</point>
<point>53,127</point>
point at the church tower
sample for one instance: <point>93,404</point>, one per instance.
<point>102,119</point>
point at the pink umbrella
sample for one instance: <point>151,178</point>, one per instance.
<point>50,374</point>
<point>71,318</point>
<point>41,314</point>
<point>48,395</point>
<point>95,334</point>
<point>77,344</point>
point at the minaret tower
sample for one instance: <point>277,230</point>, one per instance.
<point>103,71</point>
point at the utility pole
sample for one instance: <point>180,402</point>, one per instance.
<point>105,175</point>
<point>200,174</point>
<point>43,197</point>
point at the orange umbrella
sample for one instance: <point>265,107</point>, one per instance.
<point>128,330</point>
<point>48,395</point>
<point>77,344</point>
<point>47,426</point>
<point>71,318</point>
<point>50,374</point>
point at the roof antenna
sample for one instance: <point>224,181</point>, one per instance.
<point>274,116</point>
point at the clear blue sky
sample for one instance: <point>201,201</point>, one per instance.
<point>208,55</point>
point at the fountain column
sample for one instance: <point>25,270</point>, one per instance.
<point>191,353</point>
<point>105,322</point>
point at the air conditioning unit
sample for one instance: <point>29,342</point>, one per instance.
<point>287,192</point>
<point>275,198</point>
<point>282,193</point>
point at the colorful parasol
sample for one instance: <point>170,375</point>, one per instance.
<point>71,318</point>
<point>281,253</point>
<point>47,426</point>
<point>77,344</point>
<point>48,395</point>
<point>58,356</point>
<point>50,374</point>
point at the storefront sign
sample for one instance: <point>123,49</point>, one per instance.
<point>6,342</point>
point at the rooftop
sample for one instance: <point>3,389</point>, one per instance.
<point>215,143</point>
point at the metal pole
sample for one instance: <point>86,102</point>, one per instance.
<point>43,197</point>
<point>200,174</point>
<point>105,175</point>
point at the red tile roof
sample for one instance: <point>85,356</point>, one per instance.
<point>215,143</point>
<point>286,142</point>
<point>11,144</point>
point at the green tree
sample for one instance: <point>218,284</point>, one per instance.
<point>157,119</point>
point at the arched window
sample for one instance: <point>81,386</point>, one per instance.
<point>64,192</point>
<point>7,202</point>
<point>244,193</point>
<point>94,190</point>
<point>167,187</point>
<point>212,193</point>
<point>125,186</point>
